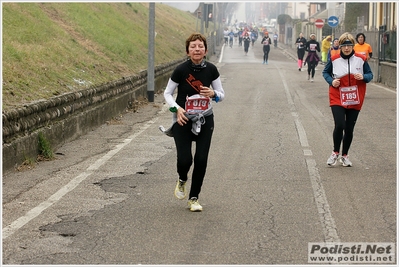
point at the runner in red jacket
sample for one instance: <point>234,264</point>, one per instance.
<point>347,74</point>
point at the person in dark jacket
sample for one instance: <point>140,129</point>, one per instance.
<point>266,42</point>
<point>312,59</point>
<point>300,48</point>
<point>247,41</point>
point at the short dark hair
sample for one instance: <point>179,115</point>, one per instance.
<point>194,37</point>
<point>360,34</point>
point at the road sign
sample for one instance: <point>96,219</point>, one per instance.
<point>333,21</point>
<point>319,23</point>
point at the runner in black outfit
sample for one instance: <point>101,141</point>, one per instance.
<point>266,42</point>
<point>193,78</point>
<point>301,48</point>
<point>247,41</point>
<point>312,59</point>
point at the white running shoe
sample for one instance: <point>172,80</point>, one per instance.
<point>345,161</point>
<point>194,205</point>
<point>180,190</point>
<point>332,160</point>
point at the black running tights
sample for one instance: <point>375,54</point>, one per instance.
<point>301,53</point>
<point>266,50</point>
<point>311,68</point>
<point>344,120</point>
<point>183,140</point>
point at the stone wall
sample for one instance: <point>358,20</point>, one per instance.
<point>66,117</point>
<point>388,74</point>
<point>384,72</point>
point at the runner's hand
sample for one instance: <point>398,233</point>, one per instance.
<point>206,91</point>
<point>358,76</point>
<point>336,82</point>
<point>181,118</point>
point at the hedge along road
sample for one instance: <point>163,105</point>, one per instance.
<point>108,198</point>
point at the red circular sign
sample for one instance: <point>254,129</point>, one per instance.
<point>319,23</point>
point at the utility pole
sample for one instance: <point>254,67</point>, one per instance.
<point>151,52</point>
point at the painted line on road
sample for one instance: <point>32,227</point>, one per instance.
<point>385,88</point>
<point>221,53</point>
<point>36,211</point>
<point>326,219</point>
<point>301,131</point>
<point>323,208</point>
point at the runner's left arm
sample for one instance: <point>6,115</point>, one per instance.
<point>218,88</point>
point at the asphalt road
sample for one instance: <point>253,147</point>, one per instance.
<point>108,197</point>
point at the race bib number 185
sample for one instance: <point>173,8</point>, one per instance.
<point>349,95</point>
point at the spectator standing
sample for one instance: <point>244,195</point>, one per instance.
<point>325,46</point>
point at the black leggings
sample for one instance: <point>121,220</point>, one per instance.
<point>344,120</point>
<point>246,46</point>
<point>183,140</point>
<point>266,50</point>
<point>301,53</point>
<point>312,68</point>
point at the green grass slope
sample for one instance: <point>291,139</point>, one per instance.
<point>54,48</point>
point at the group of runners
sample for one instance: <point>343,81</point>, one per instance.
<point>329,47</point>
<point>199,85</point>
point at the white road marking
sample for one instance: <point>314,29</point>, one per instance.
<point>385,88</point>
<point>36,211</point>
<point>323,208</point>
<point>221,53</point>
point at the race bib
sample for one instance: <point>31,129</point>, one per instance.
<point>312,47</point>
<point>349,95</point>
<point>197,104</point>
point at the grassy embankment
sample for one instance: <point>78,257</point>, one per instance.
<point>54,48</point>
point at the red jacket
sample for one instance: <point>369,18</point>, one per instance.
<point>351,92</point>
